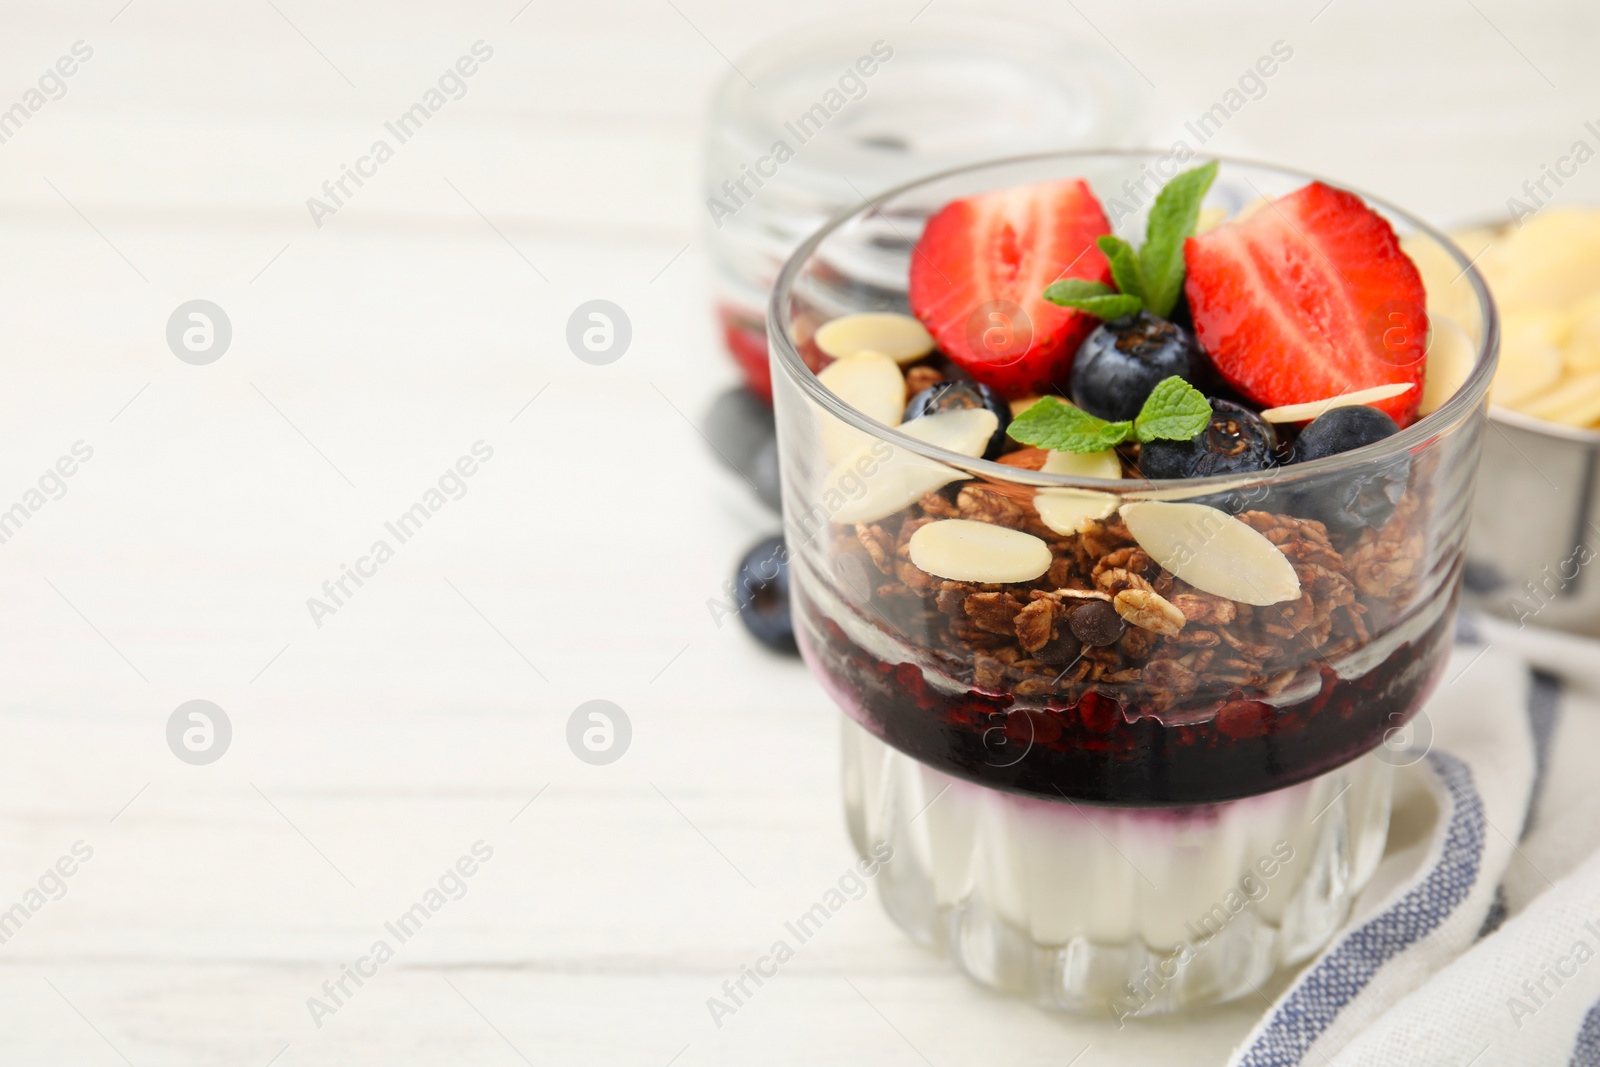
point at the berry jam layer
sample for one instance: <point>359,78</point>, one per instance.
<point>1101,747</point>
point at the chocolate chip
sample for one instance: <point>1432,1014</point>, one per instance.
<point>1062,650</point>
<point>1096,623</point>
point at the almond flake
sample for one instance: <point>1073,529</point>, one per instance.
<point>900,337</point>
<point>871,383</point>
<point>1312,408</point>
<point>964,430</point>
<point>1106,464</point>
<point>1210,218</point>
<point>962,550</point>
<point>1212,551</point>
<point>1068,511</point>
<point>873,487</point>
<point>1077,594</point>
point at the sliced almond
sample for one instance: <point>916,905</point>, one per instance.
<point>863,488</point>
<point>1212,551</point>
<point>1105,464</point>
<point>1210,218</point>
<point>965,430</point>
<point>1450,360</point>
<point>1068,511</point>
<point>1312,408</point>
<point>1019,406</point>
<point>1078,594</point>
<point>877,479</point>
<point>900,337</point>
<point>1251,208</point>
<point>966,551</point>
<point>872,384</point>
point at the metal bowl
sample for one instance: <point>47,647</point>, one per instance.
<point>1535,527</point>
<point>1534,524</point>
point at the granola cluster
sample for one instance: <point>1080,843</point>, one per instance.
<point>1176,643</point>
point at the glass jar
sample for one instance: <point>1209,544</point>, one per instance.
<point>811,124</point>
<point>1057,826</point>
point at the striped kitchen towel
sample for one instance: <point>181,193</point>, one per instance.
<point>1478,943</point>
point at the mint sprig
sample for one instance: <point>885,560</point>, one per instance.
<point>1174,411</point>
<point>1097,298</point>
<point>1172,221</point>
<point>1060,427</point>
<point>1126,270</point>
<point>1152,278</point>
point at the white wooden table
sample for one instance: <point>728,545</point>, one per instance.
<point>425,714</point>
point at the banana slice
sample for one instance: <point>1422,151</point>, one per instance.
<point>1553,261</point>
<point>1575,402</point>
<point>1450,361</point>
<point>1449,292</point>
<point>1582,349</point>
<point>1530,359</point>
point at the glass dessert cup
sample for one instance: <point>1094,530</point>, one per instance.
<point>1155,822</point>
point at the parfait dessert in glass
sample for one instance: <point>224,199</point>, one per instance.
<point>1124,502</point>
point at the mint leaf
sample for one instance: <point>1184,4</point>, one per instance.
<point>1096,298</point>
<point>1172,219</point>
<point>1061,427</point>
<point>1066,289</point>
<point>1174,411</point>
<point>1125,270</point>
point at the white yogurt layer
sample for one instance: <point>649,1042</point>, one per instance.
<point>1164,877</point>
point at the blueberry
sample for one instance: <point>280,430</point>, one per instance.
<point>741,432</point>
<point>1478,576</point>
<point>736,425</point>
<point>1340,430</point>
<point>1122,360</point>
<point>762,590</point>
<point>763,473</point>
<point>1181,314</point>
<point>1356,500</point>
<point>962,396</point>
<point>1236,442</point>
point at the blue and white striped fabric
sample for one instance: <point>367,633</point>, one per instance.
<point>1478,942</point>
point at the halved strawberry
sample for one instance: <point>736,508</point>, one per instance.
<point>1308,297</point>
<point>745,338</point>
<point>979,272</point>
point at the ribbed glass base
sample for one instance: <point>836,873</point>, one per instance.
<point>1135,911</point>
